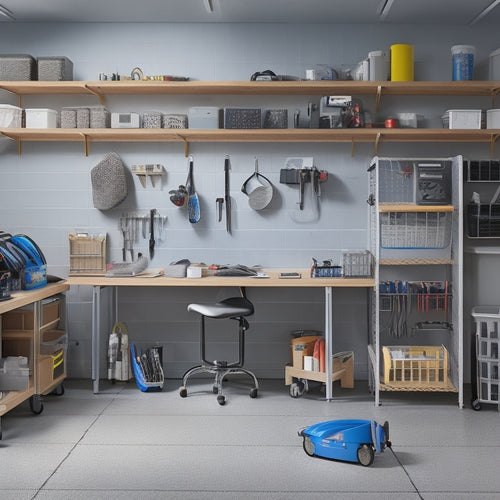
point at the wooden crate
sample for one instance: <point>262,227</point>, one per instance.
<point>87,254</point>
<point>415,368</point>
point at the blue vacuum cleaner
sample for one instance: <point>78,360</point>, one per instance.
<point>346,440</point>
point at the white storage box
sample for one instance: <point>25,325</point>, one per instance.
<point>204,117</point>
<point>493,118</point>
<point>495,65</point>
<point>41,118</point>
<point>462,119</point>
<point>10,116</point>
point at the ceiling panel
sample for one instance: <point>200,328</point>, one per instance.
<point>455,12</point>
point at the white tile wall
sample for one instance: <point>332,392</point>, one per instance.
<point>46,191</point>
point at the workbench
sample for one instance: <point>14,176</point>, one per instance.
<point>99,282</point>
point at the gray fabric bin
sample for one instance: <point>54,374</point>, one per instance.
<point>17,67</point>
<point>54,68</point>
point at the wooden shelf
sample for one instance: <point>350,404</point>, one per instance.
<point>352,135</point>
<point>285,88</point>
<point>323,87</point>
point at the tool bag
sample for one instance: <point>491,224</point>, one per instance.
<point>119,354</point>
<point>22,257</point>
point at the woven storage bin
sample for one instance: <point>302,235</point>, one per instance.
<point>54,68</point>
<point>174,121</point>
<point>17,67</point>
<point>152,119</point>
<point>246,118</point>
<point>87,254</point>
<point>100,117</point>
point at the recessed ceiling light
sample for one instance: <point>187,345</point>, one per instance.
<point>5,12</point>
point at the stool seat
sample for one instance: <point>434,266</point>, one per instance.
<point>234,308</point>
<point>228,308</point>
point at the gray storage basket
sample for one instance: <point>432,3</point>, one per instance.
<point>54,68</point>
<point>17,67</point>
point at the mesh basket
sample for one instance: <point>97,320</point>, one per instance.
<point>414,230</point>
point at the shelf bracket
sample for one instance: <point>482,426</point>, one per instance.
<point>377,140</point>
<point>494,94</point>
<point>19,147</point>
<point>101,98</point>
<point>493,140</point>
<point>378,97</point>
<point>19,96</point>
<point>186,145</point>
<point>86,146</point>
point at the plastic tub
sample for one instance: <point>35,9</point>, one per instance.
<point>495,65</point>
<point>493,118</point>
<point>462,62</point>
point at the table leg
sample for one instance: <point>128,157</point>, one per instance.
<point>328,341</point>
<point>96,335</point>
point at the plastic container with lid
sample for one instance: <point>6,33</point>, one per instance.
<point>462,62</point>
<point>493,118</point>
<point>402,63</point>
<point>495,65</point>
<point>379,65</point>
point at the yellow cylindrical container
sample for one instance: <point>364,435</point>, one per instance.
<point>401,62</point>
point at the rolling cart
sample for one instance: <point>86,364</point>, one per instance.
<point>487,362</point>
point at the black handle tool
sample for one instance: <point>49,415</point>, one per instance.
<point>152,233</point>
<point>227,194</point>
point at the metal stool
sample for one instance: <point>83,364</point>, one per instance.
<point>234,308</point>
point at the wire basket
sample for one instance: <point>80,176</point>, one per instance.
<point>415,230</point>
<point>357,264</point>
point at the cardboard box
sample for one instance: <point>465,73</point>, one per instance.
<point>302,346</point>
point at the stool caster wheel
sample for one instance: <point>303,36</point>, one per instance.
<point>221,400</point>
<point>183,392</point>
<point>253,392</point>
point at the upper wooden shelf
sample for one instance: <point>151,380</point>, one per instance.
<point>323,87</point>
